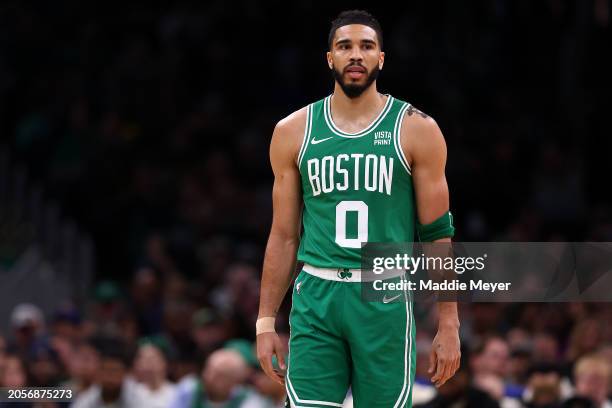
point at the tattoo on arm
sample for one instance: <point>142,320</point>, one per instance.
<point>411,110</point>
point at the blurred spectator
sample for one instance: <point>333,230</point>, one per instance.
<point>150,370</point>
<point>605,352</point>
<point>545,349</point>
<point>83,367</point>
<point>543,388</point>
<point>209,330</point>
<point>185,366</point>
<point>113,388</point>
<point>491,358</point>
<point>459,392</point>
<point>178,317</point>
<point>14,373</point>
<point>28,325</point>
<point>586,337</point>
<point>66,323</point>
<point>127,325</point>
<point>518,368</point>
<point>106,309</point>
<point>44,368</point>
<point>220,384</point>
<point>66,332</point>
<point>491,371</point>
<point>239,296</point>
<point>147,302</point>
<point>592,377</point>
<point>270,389</point>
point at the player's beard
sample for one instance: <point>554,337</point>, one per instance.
<point>353,90</point>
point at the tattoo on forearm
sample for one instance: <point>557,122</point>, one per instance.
<point>411,109</point>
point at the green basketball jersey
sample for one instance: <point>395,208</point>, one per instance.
<point>357,187</point>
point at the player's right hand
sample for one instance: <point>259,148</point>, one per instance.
<point>268,345</point>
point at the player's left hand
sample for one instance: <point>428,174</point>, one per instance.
<point>445,355</point>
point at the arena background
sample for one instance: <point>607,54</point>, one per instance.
<point>135,185</point>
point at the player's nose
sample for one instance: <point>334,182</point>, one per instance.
<point>356,54</point>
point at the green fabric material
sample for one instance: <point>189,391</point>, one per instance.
<point>338,340</point>
<point>440,228</point>
<point>356,188</point>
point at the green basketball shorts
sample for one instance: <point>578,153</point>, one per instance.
<point>339,341</point>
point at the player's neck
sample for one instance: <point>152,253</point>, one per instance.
<point>369,103</point>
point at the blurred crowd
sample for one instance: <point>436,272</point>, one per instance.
<point>524,355</point>
<point>106,363</point>
<point>150,125</point>
<point>155,346</point>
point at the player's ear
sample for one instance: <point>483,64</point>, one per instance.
<point>330,62</point>
<point>381,60</point>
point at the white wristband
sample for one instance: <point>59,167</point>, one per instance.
<point>265,325</point>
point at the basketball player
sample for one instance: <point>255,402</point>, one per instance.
<point>364,167</point>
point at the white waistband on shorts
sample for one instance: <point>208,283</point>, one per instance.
<point>349,275</point>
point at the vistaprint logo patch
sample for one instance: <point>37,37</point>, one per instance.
<point>382,138</point>
<point>412,264</point>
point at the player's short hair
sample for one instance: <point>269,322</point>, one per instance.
<point>355,17</point>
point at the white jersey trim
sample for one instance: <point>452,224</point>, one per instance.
<point>332,126</point>
<point>401,399</point>
<point>306,140</point>
<point>397,134</point>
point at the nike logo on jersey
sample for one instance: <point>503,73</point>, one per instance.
<point>391,299</point>
<point>315,141</point>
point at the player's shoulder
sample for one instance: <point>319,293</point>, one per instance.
<point>288,134</point>
<point>294,123</point>
<point>419,125</point>
<point>417,121</point>
<point>420,132</point>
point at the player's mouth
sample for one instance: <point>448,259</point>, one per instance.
<point>356,71</point>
